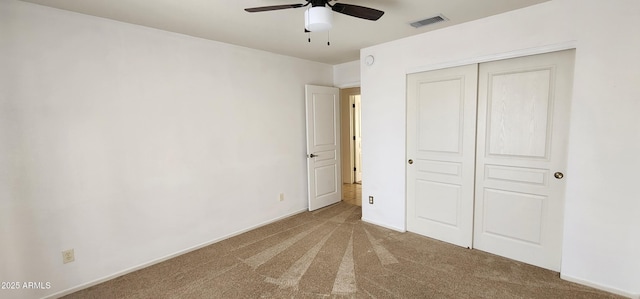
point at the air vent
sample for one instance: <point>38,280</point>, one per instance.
<point>429,21</point>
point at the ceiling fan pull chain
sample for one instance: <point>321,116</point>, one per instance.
<point>328,43</point>
<point>309,36</point>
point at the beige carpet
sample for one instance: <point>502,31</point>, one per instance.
<point>330,253</point>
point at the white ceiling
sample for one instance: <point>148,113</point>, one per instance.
<point>282,31</point>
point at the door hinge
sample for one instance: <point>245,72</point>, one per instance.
<point>354,169</point>
<point>354,137</point>
<point>353,105</point>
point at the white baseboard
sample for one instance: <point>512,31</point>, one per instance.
<point>167,257</point>
<point>402,230</point>
<point>599,286</point>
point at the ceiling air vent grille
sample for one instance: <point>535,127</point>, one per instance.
<point>429,21</point>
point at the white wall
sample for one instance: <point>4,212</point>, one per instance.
<point>346,74</point>
<point>131,144</point>
<point>601,243</point>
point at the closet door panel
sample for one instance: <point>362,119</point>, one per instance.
<point>441,119</point>
<point>523,112</point>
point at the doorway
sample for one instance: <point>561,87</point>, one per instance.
<point>351,150</point>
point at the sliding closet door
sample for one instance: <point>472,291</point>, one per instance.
<point>523,113</point>
<point>441,120</point>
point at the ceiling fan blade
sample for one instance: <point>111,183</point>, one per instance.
<point>274,7</point>
<point>358,11</point>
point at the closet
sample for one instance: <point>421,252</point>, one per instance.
<point>486,155</point>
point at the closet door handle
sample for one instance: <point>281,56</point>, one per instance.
<point>410,161</point>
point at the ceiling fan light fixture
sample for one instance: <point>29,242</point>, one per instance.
<point>318,19</point>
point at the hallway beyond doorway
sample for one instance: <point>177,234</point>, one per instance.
<point>352,194</point>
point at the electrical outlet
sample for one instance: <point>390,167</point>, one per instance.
<point>68,256</point>
<point>281,196</point>
<point>370,200</point>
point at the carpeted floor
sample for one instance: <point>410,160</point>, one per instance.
<point>330,253</point>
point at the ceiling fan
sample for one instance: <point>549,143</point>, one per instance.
<point>318,17</point>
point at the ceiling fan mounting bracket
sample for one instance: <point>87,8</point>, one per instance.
<point>315,3</point>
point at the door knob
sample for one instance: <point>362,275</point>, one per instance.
<point>558,175</point>
<point>312,156</point>
<point>410,161</point>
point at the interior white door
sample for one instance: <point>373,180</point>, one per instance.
<point>323,145</point>
<point>441,114</point>
<point>523,112</point>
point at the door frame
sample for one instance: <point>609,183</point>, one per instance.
<point>356,132</point>
<point>347,131</point>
